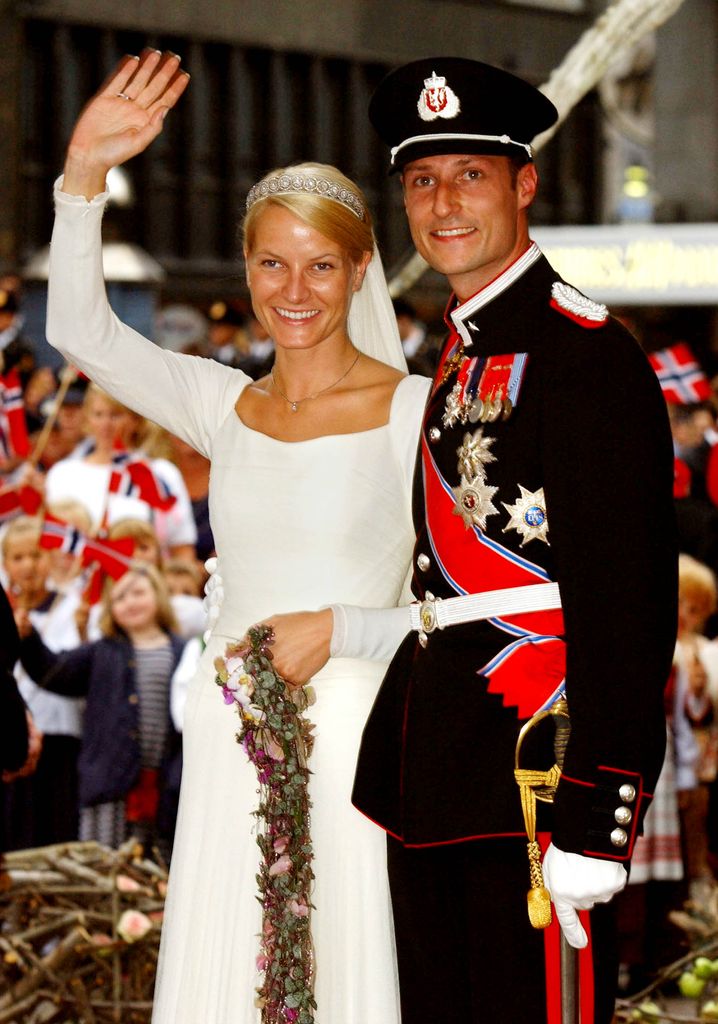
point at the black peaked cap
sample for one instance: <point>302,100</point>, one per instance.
<point>444,104</point>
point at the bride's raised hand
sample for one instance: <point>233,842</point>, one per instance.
<point>122,118</point>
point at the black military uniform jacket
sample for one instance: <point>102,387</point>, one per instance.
<point>575,486</point>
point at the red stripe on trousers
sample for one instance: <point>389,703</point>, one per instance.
<point>552,955</point>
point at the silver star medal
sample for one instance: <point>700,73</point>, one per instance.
<point>473,502</point>
<point>474,454</point>
<point>528,516</point>
<point>454,411</point>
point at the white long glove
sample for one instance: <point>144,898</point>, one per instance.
<point>213,596</point>
<point>577,883</point>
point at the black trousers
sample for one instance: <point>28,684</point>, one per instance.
<point>42,809</point>
<point>467,953</point>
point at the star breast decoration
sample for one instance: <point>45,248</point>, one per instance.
<point>474,454</point>
<point>473,502</point>
<point>528,516</point>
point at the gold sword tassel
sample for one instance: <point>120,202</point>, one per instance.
<point>540,785</point>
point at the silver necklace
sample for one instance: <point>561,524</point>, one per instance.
<point>294,406</point>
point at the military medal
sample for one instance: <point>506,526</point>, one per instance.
<point>474,454</point>
<point>473,502</point>
<point>528,516</point>
<point>459,402</point>
<point>451,362</point>
<point>497,391</point>
<point>454,410</point>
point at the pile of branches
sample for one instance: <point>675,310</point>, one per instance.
<point>79,934</point>
<point>693,977</point>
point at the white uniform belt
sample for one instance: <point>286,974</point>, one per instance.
<point>438,613</point>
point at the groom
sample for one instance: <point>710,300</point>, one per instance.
<point>543,508</point>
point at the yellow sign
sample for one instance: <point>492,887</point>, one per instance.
<point>637,264</point>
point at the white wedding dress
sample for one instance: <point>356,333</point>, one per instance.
<point>297,526</point>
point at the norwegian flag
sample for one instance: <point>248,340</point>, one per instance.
<point>681,378</point>
<point>114,557</point>
<point>14,442</point>
<point>135,478</point>
<point>16,501</point>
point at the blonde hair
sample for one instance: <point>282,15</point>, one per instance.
<point>72,512</point>
<point>165,614</point>
<point>156,442</point>
<point>22,526</point>
<point>95,391</point>
<point>696,582</point>
<point>181,567</point>
<point>329,217</point>
<point>138,530</point>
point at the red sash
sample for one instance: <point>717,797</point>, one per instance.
<point>527,671</point>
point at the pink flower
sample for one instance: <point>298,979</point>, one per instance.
<point>126,884</point>
<point>274,750</point>
<point>267,927</point>
<point>133,925</point>
<point>298,908</point>
<point>262,962</point>
<point>290,1015</point>
<point>281,865</point>
<point>280,844</point>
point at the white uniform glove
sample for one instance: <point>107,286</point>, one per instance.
<point>577,883</point>
<point>213,596</point>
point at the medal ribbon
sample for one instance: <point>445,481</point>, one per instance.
<point>494,382</point>
<point>516,375</point>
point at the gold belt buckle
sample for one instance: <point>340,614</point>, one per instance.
<point>427,617</point>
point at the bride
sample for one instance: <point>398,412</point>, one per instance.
<point>310,507</point>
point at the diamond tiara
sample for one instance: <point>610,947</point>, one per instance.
<point>284,184</point>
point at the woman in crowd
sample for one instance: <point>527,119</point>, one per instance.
<point>310,503</point>
<point>110,429</point>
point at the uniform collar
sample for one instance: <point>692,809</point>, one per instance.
<point>461,314</point>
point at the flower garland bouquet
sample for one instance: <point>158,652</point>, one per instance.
<point>278,740</point>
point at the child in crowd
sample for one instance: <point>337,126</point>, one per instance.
<point>188,608</point>
<point>184,577</point>
<point>65,567</point>
<point>698,658</point>
<point>129,762</point>
<point>42,808</point>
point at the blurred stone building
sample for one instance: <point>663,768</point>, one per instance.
<point>275,81</point>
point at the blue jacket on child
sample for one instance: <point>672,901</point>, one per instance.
<point>103,671</point>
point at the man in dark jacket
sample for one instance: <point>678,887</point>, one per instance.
<point>13,715</point>
<point>545,565</point>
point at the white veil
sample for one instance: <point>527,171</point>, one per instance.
<point>372,323</point>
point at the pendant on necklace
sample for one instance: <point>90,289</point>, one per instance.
<point>294,406</point>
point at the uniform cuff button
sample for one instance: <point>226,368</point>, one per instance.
<point>619,837</point>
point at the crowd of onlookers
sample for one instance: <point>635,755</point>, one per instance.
<point>104,535</point>
<point>672,885</point>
